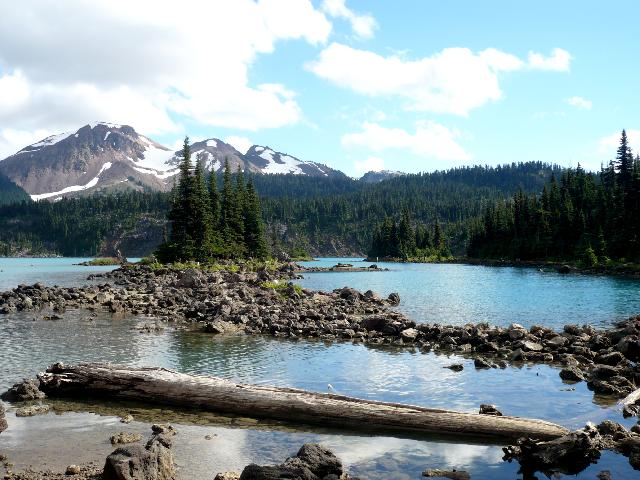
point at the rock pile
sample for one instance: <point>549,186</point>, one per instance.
<point>572,453</point>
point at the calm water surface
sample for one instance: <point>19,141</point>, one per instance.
<point>29,344</point>
<point>457,294</point>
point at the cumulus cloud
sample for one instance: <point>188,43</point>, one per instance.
<point>455,80</point>
<point>370,164</point>
<point>609,144</point>
<point>242,144</point>
<point>430,140</point>
<point>559,60</point>
<point>143,62</point>
<point>363,26</point>
<point>579,102</point>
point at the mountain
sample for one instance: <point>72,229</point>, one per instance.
<point>266,160</point>
<point>104,157</point>
<point>375,177</point>
<point>99,156</point>
<point>10,192</point>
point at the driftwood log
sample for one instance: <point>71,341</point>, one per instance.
<point>159,385</point>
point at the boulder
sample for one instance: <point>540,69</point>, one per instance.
<point>571,374</point>
<point>312,462</point>
<point>154,461</point>
<point>393,299</point>
<point>28,389</point>
<point>409,334</point>
<point>190,278</point>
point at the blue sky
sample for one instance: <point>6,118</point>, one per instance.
<point>405,85</point>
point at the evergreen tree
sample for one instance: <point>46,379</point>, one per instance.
<point>255,242</point>
<point>232,225</point>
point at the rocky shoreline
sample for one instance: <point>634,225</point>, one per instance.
<point>266,303</point>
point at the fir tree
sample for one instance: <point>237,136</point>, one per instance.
<point>254,239</point>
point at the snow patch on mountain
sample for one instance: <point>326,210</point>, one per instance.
<point>74,188</point>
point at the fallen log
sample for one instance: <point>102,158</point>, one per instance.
<point>159,385</point>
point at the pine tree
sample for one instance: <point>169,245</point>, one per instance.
<point>180,245</point>
<point>256,245</point>
<point>201,227</point>
<point>232,225</point>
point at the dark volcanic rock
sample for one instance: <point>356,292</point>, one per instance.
<point>312,462</point>
<point>489,410</point>
<point>28,389</point>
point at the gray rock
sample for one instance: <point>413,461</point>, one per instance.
<point>125,437</point>
<point>154,461</point>
<point>393,299</point>
<point>486,409</point>
<point>3,420</point>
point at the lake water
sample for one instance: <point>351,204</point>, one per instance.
<point>458,294</point>
<point>28,344</point>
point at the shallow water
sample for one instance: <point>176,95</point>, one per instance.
<point>458,294</point>
<point>29,344</point>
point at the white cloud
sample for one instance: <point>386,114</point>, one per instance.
<point>370,164</point>
<point>363,26</point>
<point>455,80</point>
<point>579,102</point>
<point>242,144</point>
<point>559,61</point>
<point>143,62</point>
<point>430,140</point>
<point>609,144</point>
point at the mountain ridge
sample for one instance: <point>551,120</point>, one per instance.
<point>103,156</point>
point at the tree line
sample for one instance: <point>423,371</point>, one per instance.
<point>317,214</point>
<point>400,240</point>
<point>205,223</point>
<point>587,217</point>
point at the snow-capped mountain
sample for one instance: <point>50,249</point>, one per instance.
<point>266,160</point>
<point>213,153</point>
<point>106,157</point>
<point>97,156</point>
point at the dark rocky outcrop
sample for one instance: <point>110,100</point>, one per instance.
<point>572,453</point>
<point>312,462</point>
<point>28,389</point>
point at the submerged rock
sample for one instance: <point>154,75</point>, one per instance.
<point>32,411</point>
<point>451,474</point>
<point>125,437</point>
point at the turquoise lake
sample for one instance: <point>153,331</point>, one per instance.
<point>430,293</point>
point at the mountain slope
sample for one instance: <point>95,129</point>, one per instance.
<point>98,156</point>
<point>10,192</point>
<point>267,160</point>
<point>375,177</point>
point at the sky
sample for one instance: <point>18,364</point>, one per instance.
<point>408,85</point>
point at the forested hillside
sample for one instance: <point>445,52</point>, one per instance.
<point>326,216</point>
<point>590,218</point>
<point>10,192</point>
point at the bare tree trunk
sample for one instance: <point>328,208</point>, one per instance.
<point>159,385</point>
